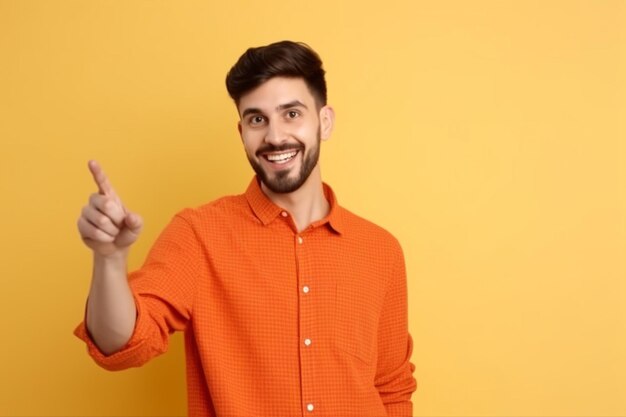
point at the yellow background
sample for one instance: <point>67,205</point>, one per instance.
<point>488,136</point>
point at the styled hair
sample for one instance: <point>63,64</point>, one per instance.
<point>280,59</point>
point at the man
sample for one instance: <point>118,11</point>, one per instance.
<point>290,304</point>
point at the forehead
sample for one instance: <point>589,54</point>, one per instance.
<point>274,92</point>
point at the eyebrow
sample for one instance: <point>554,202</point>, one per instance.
<point>291,104</point>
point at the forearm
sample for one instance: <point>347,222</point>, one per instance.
<point>111,310</point>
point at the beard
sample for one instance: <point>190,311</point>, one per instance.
<point>281,182</point>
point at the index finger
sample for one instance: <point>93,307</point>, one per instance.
<point>104,186</point>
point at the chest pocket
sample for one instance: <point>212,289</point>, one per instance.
<point>356,322</point>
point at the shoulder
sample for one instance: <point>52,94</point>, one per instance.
<point>217,213</point>
<point>223,205</point>
<point>364,230</point>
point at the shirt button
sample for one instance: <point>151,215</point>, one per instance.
<point>300,240</point>
<point>309,407</point>
<point>305,289</point>
<point>284,213</point>
<point>307,342</point>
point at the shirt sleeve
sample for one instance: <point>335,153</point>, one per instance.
<point>164,291</point>
<point>394,373</point>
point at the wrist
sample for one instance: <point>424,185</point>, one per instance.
<point>115,257</point>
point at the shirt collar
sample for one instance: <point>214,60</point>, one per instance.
<point>266,211</point>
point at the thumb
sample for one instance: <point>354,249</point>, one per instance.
<point>133,221</point>
<point>130,233</point>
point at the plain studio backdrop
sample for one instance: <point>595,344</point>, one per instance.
<point>488,136</point>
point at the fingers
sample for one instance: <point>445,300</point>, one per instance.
<point>99,220</point>
<point>101,180</point>
<point>104,219</point>
<point>90,232</point>
<point>109,207</point>
<point>97,228</point>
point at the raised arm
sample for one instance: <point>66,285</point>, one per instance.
<point>108,229</point>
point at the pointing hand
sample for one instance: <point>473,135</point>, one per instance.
<point>105,225</point>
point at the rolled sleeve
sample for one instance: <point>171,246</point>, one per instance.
<point>164,292</point>
<point>133,354</point>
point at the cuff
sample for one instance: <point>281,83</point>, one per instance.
<point>133,354</point>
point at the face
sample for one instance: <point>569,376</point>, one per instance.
<point>281,128</point>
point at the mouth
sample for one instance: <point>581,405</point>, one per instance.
<point>281,158</point>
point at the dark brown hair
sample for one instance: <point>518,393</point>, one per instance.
<point>280,59</point>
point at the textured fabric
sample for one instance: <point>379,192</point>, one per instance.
<point>276,322</point>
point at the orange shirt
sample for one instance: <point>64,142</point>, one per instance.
<point>276,322</point>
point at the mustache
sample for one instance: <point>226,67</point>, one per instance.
<point>281,148</point>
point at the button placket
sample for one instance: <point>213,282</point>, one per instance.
<point>307,342</point>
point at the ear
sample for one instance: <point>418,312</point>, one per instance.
<point>239,129</point>
<point>327,122</point>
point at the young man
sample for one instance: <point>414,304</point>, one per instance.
<point>291,305</point>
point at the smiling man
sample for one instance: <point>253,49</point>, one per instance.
<point>282,125</point>
<point>291,305</point>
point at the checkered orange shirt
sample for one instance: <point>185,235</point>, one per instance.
<point>276,322</point>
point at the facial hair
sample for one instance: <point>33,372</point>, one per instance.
<point>281,182</point>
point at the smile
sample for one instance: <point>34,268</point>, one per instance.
<point>281,158</point>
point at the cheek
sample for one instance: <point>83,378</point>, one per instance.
<point>305,131</point>
<point>248,146</point>
<point>251,139</point>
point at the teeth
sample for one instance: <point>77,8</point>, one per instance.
<point>281,157</point>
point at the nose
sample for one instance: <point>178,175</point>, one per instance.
<point>276,133</point>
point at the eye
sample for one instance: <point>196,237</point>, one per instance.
<point>292,114</point>
<point>256,120</point>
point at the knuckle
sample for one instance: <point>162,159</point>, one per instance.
<point>82,223</point>
<point>80,226</point>
<point>83,226</point>
<point>102,221</point>
<point>108,205</point>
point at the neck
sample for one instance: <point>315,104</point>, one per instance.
<point>307,204</point>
